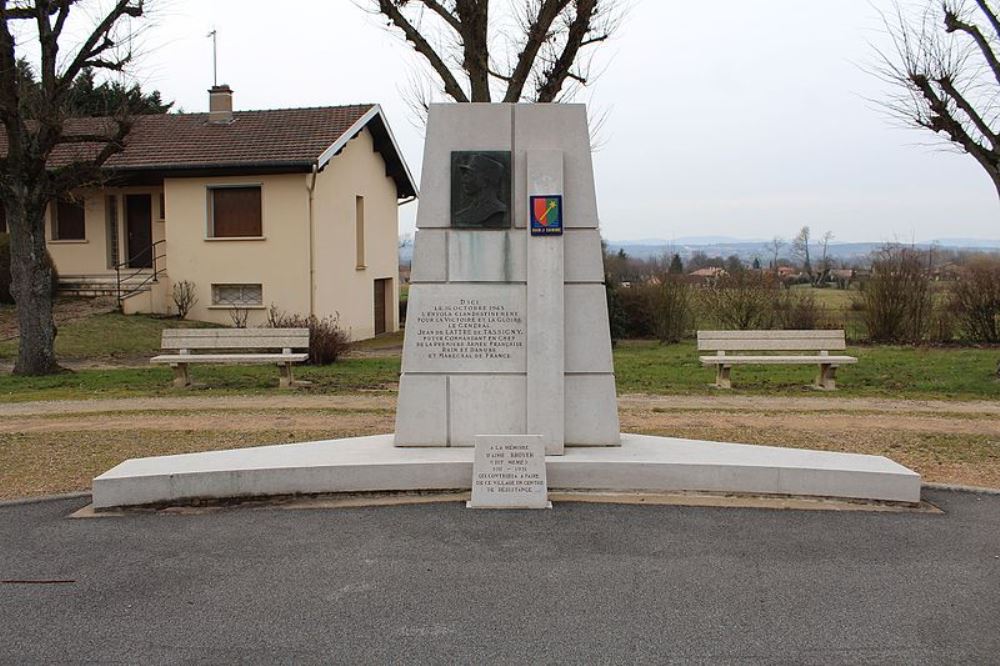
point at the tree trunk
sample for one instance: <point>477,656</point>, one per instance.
<point>31,287</point>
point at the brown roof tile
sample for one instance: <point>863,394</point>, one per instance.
<point>281,138</point>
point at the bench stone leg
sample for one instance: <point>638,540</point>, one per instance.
<point>827,378</point>
<point>286,381</point>
<point>181,377</point>
<point>722,377</point>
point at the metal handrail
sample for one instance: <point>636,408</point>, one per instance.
<point>136,288</point>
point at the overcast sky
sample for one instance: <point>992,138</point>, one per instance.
<point>733,118</point>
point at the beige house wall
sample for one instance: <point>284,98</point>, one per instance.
<point>341,285</point>
<point>90,256</point>
<point>278,260</point>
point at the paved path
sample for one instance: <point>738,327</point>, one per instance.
<point>579,583</point>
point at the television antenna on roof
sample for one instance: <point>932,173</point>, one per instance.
<point>215,58</point>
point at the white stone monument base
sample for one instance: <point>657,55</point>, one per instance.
<point>641,463</point>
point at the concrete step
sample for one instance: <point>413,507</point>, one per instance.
<point>641,463</point>
<point>102,285</point>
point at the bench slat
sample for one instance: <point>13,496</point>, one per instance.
<point>235,338</point>
<point>229,358</point>
<point>771,341</point>
<point>776,360</point>
<point>790,334</point>
<point>826,344</point>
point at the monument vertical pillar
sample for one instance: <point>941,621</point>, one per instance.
<point>507,332</point>
<point>546,401</point>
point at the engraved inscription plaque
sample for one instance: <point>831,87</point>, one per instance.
<point>451,328</point>
<point>508,472</point>
<point>480,189</point>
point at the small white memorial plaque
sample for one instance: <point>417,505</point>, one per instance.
<point>509,473</point>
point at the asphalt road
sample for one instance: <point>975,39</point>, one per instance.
<point>439,583</point>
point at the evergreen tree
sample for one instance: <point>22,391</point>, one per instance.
<point>88,98</point>
<point>676,265</point>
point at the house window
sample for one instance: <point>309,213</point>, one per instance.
<point>359,231</point>
<point>163,207</point>
<point>237,295</point>
<point>234,212</point>
<point>69,222</point>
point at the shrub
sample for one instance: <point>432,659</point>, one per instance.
<point>742,300</point>
<point>672,309</point>
<point>185,297</point>
<point>637,310</point>
<point>797,310</point>
<point>975,300</point>
<point>5,278</point>
<point>327,341</point>
<point>616,314</point>
<point>896,299</point>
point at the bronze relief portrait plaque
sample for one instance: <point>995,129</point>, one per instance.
<point>480,189</point>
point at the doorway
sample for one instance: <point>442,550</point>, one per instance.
<point>383,296</point>
<point>139,230</point>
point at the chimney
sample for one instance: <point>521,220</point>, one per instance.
<point>220,104</point>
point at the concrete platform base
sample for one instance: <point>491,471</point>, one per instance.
<point>363,464</point>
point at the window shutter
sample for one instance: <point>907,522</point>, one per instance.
<point>236,212</point>
<point>70,221</point>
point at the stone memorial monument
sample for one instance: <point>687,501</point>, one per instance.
<point>507,321</point>
<point>507,349</point>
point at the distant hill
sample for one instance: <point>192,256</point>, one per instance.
<point>748,249</point>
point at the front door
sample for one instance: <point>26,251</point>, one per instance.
<point>139,228</point>
<point>382,288</point>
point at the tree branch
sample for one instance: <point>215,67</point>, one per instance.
<point>423,47</point>
<point>538,32</point>
<point>990,16</point>
<point>554,78</point>
<point>473,16</point>
<point>441,11</point>
<point>99,41</point>
<point>941,121</point>
<point>953,23</point>
<point>949,88</point>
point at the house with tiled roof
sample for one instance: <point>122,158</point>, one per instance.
<point>296,208</point>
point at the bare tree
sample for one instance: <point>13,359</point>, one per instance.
<point>775,248</point>
<point>35,128</point>
<point>945,70</point>
<point>825,264</point>
<point>800,250</point>
<point>502,50</point>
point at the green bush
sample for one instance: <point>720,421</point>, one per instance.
<point>5,279</point>
<point>638,310</point>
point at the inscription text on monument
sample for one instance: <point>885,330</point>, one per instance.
<point>454,331</point>
<point>509,472</point>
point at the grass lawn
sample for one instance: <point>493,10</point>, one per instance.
<point>106,337</point>
<point>641,367</point>
<point>883,371</point>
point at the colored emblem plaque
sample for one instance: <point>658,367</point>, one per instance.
<point>546,215</point>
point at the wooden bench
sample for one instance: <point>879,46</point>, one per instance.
<point>821,342</point>
<point>187,340</point>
